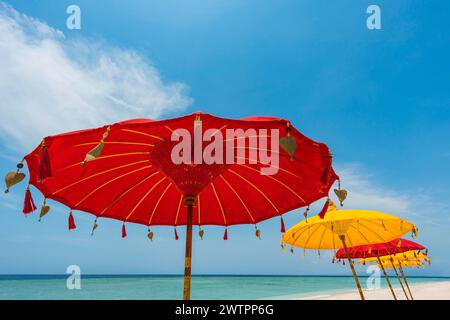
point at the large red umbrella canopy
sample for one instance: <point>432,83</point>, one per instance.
<point>132,178</point>
<point>127,171</point>
<point>380,249</point>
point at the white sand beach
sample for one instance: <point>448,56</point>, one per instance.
<point>420,291</point>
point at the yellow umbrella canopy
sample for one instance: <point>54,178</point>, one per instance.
<point>403,257</point>
<point>343,228</point>
<point>359,227</point>
<point>397,264</point>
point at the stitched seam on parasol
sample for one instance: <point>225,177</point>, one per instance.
<point>275,179</point>
<point>144,197</point>
<point>77,164</point>
<point>238,196</point>
<point>142,133</point>
<point>220,204</point>
<point>110,181</point>
<point>157,203</point>
<point>271,166</point>
<point>126,192</point>
<point>98,174</point>
<point>116,142</point>
<point>178,209</point>
<point>256,188</point>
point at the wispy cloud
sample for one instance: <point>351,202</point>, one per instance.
<point>366,193</point>
<point>51,84</point>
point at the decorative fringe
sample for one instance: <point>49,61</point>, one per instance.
<point>72,225</point>
<point>258,233</point>
<point>288,143</point>
<point>415,232</point>
<point>149,234</point>
<point>96,151</point>
<point>324,210</point>
<point>124,231</point>
<point>341,193</point>
<point>305,214</point>
<point>44,210</point>
<point>45,169</point>
<point>282,228</point>
<point>94,227</point>
<point>176,233</point>
<point>28,203</point>
<point>201,233</point>
<point>225,234</point>
<point>14,177</point>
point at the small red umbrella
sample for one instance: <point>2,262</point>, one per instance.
<point>126,171</point>
<point>380,250</point>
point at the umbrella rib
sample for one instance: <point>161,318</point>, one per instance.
<point>110,181</point>
<point>97,174</point>
<point>252,136</point>
<point>157,203</point>
<point>321,239</point>
<point>310,235</point>
<point>142,133</point>
<point>393,234</point>
<point>144,197</point>
<point>178,210</point>
<point>271,166</point>
<point>362,234</point>
<point>220,204</point>
<point>115,142</point>
<point>126,192</point>
<point>375,233</point>
<point>256,188</point>
<point>274,179</point>
<point>280,154</point>
<point>238,196</point>
<point>77,164</point>
<point>300,231</point>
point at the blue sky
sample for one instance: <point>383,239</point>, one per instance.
<point>379,99</point>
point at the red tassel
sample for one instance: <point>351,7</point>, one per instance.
<point>176,234</point>
<point>72,225</point>
<point>283,229</point>
<point>124,231</point>
<point>45,169</point>
<point>324,210</point>
<point>225,234</point>
<point>28,203</point>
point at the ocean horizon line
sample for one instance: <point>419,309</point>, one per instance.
<point>118,275</point>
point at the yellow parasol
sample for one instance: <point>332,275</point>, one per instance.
<point>342,228</point>
<point>408,259</point>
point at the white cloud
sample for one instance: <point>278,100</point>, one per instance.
<point>50,84</point>
<point>365,193</point>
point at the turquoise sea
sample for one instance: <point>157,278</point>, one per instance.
<point>170,287</point>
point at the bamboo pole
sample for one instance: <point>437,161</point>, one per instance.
<point>355,276</point>
<point>189,202</point>
<point>404,278</point>
<point>386,276</point>
<point>399,280</point>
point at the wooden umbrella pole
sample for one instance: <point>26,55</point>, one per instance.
<point>404,279</point>
<point>399,280</point>
<point>355,276</point>
<point>189,202</point>
<point>386,276</point>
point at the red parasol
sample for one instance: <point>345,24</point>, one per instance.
<point>383,249</point>
<point>125,171</point>
<point>380,249</point>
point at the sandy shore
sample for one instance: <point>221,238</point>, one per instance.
<point>420,291</point>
